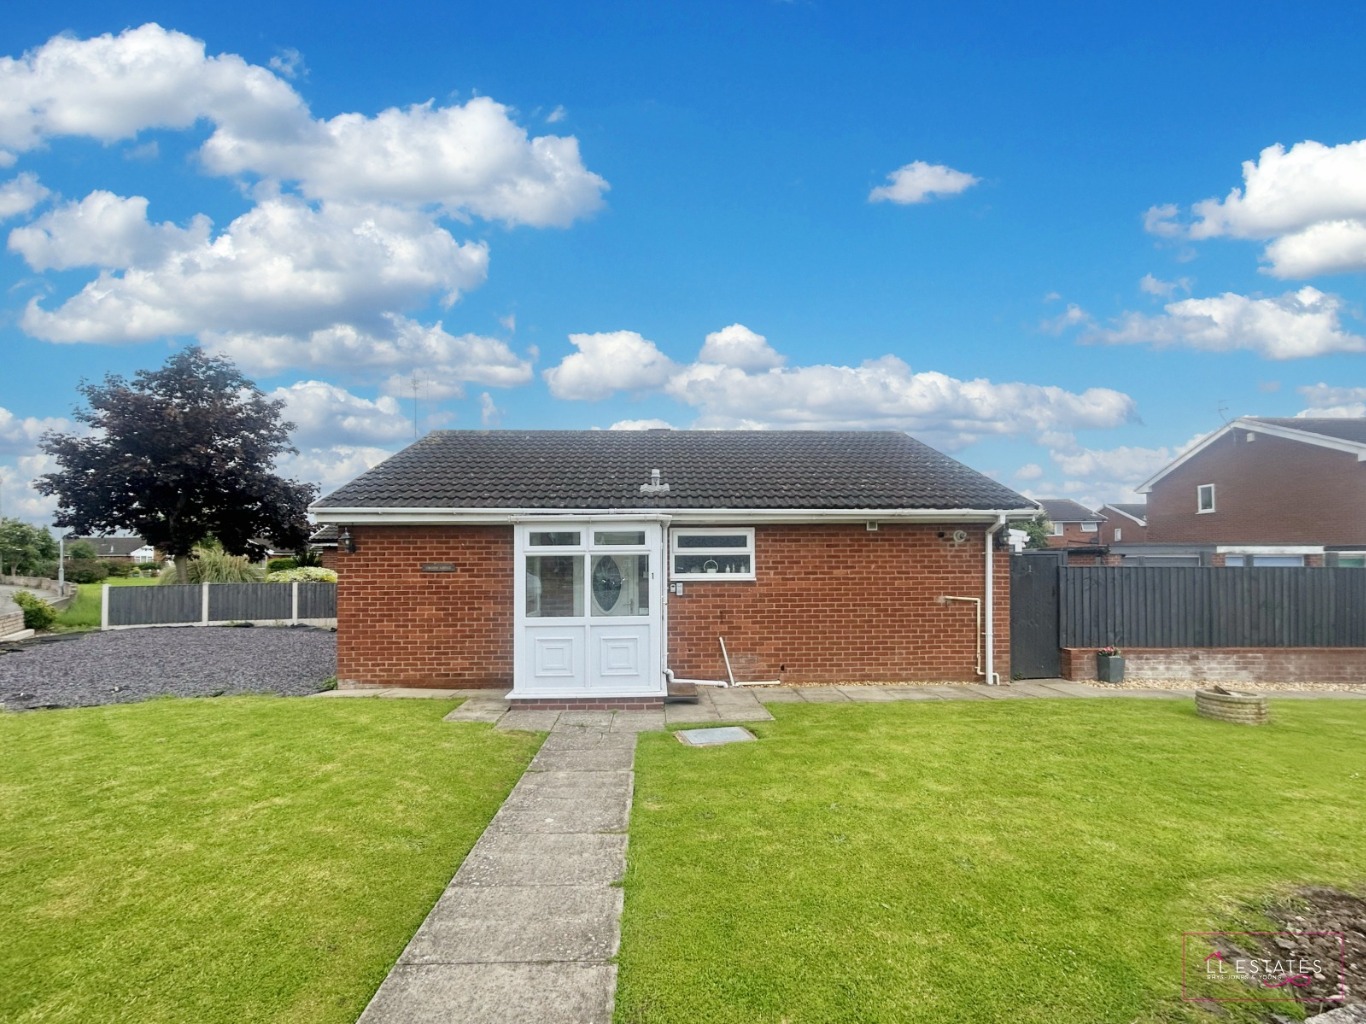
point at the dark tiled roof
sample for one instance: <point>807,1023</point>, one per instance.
<point>711,469</point>
<point>1138,509</point>
<point>324,536</point>
<point>1065,510</point>
<point>1344,429</point>
<point>111,547</point>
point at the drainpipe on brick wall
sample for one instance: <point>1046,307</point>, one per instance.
<point>989,675</point>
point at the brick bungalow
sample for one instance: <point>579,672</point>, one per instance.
<point>597,567</point>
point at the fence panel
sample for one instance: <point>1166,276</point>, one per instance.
<point>317,600</point>
<point>155,606</point>
<point>1189,606</point>
<point>239,602</point>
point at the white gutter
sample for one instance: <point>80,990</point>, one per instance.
<point>988,670</point>
<point>413,516</point>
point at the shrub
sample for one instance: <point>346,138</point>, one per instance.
<point>117,568</point>
<point>308,574</point>
<point>213,565</point>
<point>38,614</point>
<point>309,558</point>
<point>85,570</point>
<point>281,564</point>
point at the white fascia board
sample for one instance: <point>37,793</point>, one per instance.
<point>1269,549</point>
<point>419,516</point>
<point>1126,515</point>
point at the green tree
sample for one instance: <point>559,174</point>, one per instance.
<point>81,551</point>
<point>176,455</point>
<point>25,550</point>
<point>1038,529</point>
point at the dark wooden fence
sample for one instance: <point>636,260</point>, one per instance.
<point>210,603</point>
<point>1180,606</point>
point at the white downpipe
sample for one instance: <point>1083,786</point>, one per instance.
<point>669,675</point>
<point>989,675</point>
<point>729,674</point>
<point>977,632</point>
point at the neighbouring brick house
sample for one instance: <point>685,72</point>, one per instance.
<point>1265,491</point>
<point>597,566</point>
<point>1075,529</point>
<point>1125,523</point>
<point>118,549</point>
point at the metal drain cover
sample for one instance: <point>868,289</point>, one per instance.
<point>714,737</point>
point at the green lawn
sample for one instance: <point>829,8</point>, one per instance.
<point>990,862</point>
<point>84,611</point>
<point>244,859</point>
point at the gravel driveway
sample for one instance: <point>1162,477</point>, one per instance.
<point>120,666</point>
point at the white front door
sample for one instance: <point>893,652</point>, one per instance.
<point>588,599</point>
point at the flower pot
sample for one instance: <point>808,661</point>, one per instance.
<point>1242,708</point>
<point>1110,668</point>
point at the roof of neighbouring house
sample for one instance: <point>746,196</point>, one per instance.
<point>704,469</point>
<point>1065,510</point>
<point>1138,511</point>
<point>1344,434</point>
<point>111,547</point>
<point>324,536</point>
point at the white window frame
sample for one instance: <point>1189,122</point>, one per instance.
<point>1090,527</point>
<point>1058,529</point>
<point>1199,499</point>
<point>713,531</point>
<point>1119,534</point>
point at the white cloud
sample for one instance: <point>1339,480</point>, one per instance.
<point>740,347</point>
<point>1029,471</point>
<point>327,415</point>
<point>469,159</point>
<point>1128,465</point>
<point>284,267</point>
<point>330,467</point>
<point>1292,326</point>
<point>21,500</point>
<point>103,230</point>
<point>289,62</point>
<point>444,362</point>
<point>1151,285</point>
<point>489,413</point>
<point>21,434</point>
<point>1072,316</point>
<point>557,115</point>
<point>609,362</point>
<point>21,194</point>
<point>919,182</point>
<point>1326,400</point>
<point>1329,247</point>
<point>1161,221</point>
<point>641,425</point>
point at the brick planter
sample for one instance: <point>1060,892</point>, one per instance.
<point>1241,708</point>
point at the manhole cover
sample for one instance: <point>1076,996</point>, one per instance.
<point>714,737</point>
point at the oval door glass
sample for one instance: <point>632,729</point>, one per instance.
<point>621,585</point>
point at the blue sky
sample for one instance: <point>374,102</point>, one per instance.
<point>1054,240</point>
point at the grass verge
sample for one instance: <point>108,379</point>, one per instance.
<point>84,610</point>
<point>243,859</point>
<point>1007,862</point>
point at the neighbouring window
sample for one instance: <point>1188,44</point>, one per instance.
<point>1352,561</point>
<point>712,553</point>
<point>1204,498</point>
<point>1119,534</point>
<point>1089,527</point>
<point>1057,529</point>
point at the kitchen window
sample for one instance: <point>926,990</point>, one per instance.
<point>712,554</point>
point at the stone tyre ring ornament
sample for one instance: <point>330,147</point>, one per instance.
<point>1227,706</point>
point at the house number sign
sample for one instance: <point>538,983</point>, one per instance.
<point>438,567</point>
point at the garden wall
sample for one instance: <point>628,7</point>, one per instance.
<point>1227,664</point>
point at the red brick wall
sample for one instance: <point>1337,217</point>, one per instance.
<point>1130,531</point>
<point>401,626</point>
<point>838,603</point>
<point>1267,491</point>
<point>1228,664</point>
<point>833,603</point>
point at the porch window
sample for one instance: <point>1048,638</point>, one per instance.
<point>712,554</point>
<point>554,586</point>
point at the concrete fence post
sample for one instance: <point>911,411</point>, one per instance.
<point>204,604</point>
<point>294,605</point>
<point>104,606</point>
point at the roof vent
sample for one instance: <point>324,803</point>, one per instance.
<point>654,486</point>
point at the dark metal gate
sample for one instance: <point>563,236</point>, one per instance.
<point>1034,618</point>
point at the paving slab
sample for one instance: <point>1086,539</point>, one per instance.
<point>955,693</point>
<point>567,816</point>
<point>509,924</point>
<point>514,858</point>
<point>521,993</point>
<point>478,711</point>
<point>588,739</point>
<point>686,714</point>
<point>778,695</point>
<point>868,694</point>
<point>821,694</point>
<point>561,784</point>
<point>638,721</point>
<point>596,719</point>
<point>529,721</point>
<point>598,759</point>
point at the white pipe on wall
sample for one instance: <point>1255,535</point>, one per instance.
<point>977,632</point>
<point>990,675</point>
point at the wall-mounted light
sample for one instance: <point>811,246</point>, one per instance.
<point>346,542</point>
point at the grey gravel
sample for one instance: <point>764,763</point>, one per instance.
<point>122,666</point>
